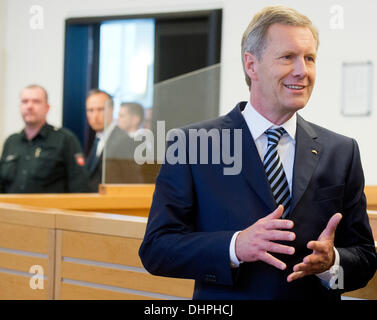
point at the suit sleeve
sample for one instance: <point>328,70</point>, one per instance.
<point>172,246</point>
<point>354,239</point>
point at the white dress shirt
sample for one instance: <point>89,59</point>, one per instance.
<point>257,125</point>
<point>103,136</point>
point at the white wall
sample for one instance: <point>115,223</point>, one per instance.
<point>36,56</point>
<point>3,8</point>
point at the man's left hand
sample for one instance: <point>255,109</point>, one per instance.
<point>323,255</point>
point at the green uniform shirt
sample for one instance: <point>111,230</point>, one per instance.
<point>52,162</point>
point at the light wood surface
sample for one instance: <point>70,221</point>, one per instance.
<point>129,189</point>
<point>369,292</point>
<point>120,199</point>
<point>97,247</point>
<point>58,265</point>
<point>88,254</point>
<point>371,195</point>
<point>134,280</point>
<point>15,287</point>
<point>27,216</point>
<point>112,261</point>
<point>79,292</point>
<point>24,238</point>
<point>21,248</point>
<point>51,263</point>
<point>21,263</point>
<point>101,223</point>
<point>373,223</point>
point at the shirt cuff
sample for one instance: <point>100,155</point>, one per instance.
<point>234,262</point>
<point>327,277</point>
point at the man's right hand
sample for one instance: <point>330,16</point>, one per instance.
<point>256,242</point>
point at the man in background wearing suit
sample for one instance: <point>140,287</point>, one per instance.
<point>293,223</point>
<point>109,140</point>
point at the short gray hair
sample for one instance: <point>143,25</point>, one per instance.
<point>255,35</point>
<point>92,92</point>
<point>37,86</point>
<point>134,108</point>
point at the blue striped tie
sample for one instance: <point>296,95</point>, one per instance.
<point>274,170</point>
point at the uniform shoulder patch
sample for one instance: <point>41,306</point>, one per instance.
<point>10,157</point>
<point>80,160</point>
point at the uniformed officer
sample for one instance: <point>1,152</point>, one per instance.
<point>41,158</point>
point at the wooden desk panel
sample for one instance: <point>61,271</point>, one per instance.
<point>120,199</point>
<point>373,223</point>
<point>371,195</point>
<point>87,254</point>
<point>16,287</point>
<point>98,247</point>
<point>105,267</point>
<point>23,248</point>
<point>79,292</point>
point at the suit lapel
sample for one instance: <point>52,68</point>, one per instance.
<point>97,162</point>
<point>253,170</point>
<point>252,166</point>
<point>307,155</point>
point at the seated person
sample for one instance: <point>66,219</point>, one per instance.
<point>41,158</point>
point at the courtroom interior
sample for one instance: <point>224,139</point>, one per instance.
<point>111,81</point>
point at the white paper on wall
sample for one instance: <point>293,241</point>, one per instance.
<point>357,88</point>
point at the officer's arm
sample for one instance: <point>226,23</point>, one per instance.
<point>2,166</point>
<point>76,173</point>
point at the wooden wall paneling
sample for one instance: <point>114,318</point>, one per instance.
<point>121,199</point>
<point>373,223</point>
<point>95,260</point>
<point>21,262</point>
<point>102,223</point>
<point>58,264</point>
<point>79,292</point>
<point>371,195</point>
<point>138,280</point>
<point>51,264</point>
<point>24,238</point>
<point>17,287</point>
<point>368,292</point>
<point>97,247</point>
<point>20,214</point>
<point>21,248</point>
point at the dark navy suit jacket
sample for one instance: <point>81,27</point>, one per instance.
<point>119,145</point>
<point>196,209</point>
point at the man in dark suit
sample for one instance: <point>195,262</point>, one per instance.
<point>293,223</point>
<point>110,141</point>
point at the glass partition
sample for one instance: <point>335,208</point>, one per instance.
<point>136,141</point>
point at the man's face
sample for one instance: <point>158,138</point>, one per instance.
<point>283,80</point>
<point>95,111</point>
<point>127,121</point>
<point>123,119</point>
<point>34,107</point>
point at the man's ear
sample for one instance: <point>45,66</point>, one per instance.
<point>250,62</point>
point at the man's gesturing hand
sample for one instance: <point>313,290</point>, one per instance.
<point>323,255</point>
<point>255,242</point>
